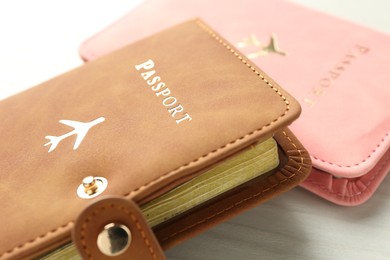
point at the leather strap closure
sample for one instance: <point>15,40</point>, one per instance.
<point>114,228</point>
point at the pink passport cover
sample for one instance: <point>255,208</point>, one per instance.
<point>335,68</point>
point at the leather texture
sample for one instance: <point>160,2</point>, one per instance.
<point>346,191</point>
<point>295,165</point>
<point>111,209</point>
<point>294,168</point>
<point>139,147</point>
<point>337,77</point>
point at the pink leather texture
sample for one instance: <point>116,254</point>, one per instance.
<point>336,69</point>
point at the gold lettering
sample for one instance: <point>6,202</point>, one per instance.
<point>309,101</point>
<point>318,91</point>
<point>175,110</point>
<point>346,62</point>
<point>339,67</point>
<point>169,104</point>
<point>166,92</point>
<point>350,55</point>
<point>147,65</point>
<point>185,117</point>
<point>334,74</point>
<point>153,81</point>
<point>325,82</point>
<point>158,86</point>
<point>148,74</point>
<point>362,49</point>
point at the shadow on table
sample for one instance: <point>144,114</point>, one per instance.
<point>268,231</point>
<point>296,225</point>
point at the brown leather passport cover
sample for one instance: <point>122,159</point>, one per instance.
<point>156,113</point>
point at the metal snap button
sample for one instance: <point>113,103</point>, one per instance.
<point>91,187</point>
<point>114,239</point>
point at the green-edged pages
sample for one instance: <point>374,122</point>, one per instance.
<point>226,175</point>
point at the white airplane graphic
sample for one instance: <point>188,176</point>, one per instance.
<point>80,129</point>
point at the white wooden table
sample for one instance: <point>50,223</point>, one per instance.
<point>39,40</point>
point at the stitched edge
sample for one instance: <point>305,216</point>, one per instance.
<point>123,209</point>
<point>357,164</point>
<point>143,234</point>
<point>367,185</point>
<point>229,48</point>
<point>296,148</point>
<point>33,240</point>
<point>243,200</point>
<point>90,55</point>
